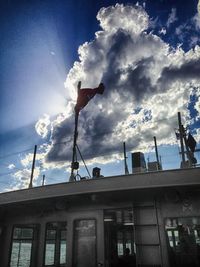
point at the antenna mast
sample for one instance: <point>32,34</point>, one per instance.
<point>125,157</point>
<point>181,139</point>
<point>73,164</point>
<point>156,150</point>
<point>33,167</point>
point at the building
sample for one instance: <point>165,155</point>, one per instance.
<point>92,222</point>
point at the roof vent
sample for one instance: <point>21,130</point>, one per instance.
<point>138,162</point>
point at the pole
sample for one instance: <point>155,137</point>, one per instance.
<point>43,179</point>
<point>156,150</point>
<point>71,179</point>
<point>33,167</point>
<point>190,155</point>
<point>181,137</point>
<point>125,157</point>
<point>74,146</point>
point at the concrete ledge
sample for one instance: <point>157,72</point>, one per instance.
<point>160,179</point>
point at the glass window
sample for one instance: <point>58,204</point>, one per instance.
<point>84,243</point>
<point>55,244</point>
<point>50,247</point>
<point>63,246</point>
<point>22,246</point>
<point>119,238</point>
<point>183,235</point>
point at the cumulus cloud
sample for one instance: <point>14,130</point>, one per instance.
<point>196,20</point>
<point>22,178</point>
<point>172,17</point>
<point>147,83</point>
<point>198,8</point>
<point>41,126</point>
<point>115,17</point>
<point>11,166</point>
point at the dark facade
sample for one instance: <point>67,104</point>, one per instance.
<point>145,219</point>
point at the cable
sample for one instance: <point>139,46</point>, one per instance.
<point>83,161</point>
<point>7,164</point>
<point>8,173</point>
<point>15,153</point>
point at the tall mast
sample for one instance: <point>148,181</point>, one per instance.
<point>181,138</point>
<point>156,150</point>
<point>125,157</point>
<point>33,167</point>
<point>75,137</point>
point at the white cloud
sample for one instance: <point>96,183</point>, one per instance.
<point>172,17</point>
<point>163,31</point>
<point>119,16</point>
<point>22,178</point>
<point>27,160</point>
<point>198,7</point>
<point>11,166</point>
<point>41,126</point>
<point>147,83</point>
<point>196,20</point>
<point>194,41</point>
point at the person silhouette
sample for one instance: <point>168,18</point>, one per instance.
<point>128,260</point>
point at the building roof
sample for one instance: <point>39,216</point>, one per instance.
<point>149,181</point>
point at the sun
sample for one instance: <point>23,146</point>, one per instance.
<point>198,7</point>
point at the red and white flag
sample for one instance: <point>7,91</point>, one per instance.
<point>85,94</point>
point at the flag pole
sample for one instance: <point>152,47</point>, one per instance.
<point>71,179</point>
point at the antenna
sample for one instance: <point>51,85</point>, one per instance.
<point>181,138</point>
<point>156,150</point>
<point>33,167</point>
<point>125,157</point>
<point>43,179</point>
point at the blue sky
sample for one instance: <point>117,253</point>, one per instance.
<point>146,53</point>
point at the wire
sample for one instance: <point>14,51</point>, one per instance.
<point>83,161</point>
<point>15,153</point>
<point>7,164</point>
<point>8,173</point>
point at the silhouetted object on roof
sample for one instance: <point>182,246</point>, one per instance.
<point>85,94</point>
<point>138,162</point>
<point>96,172</point>
<point>191,142</point>
<point>125,162</point>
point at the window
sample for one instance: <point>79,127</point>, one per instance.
<point>84,243</point>
<point>183,236</point>
<point>119,236</point>
<point>22,246</point>
<point>55,244</point>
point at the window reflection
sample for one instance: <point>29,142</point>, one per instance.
<point>183,235</point>
<point>119,239</point>
<point>84,243</point>
<point>55,244</point>
<point>22,243</point>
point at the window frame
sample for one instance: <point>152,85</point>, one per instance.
<point>123,227</point>
<point>35,228</point>
<point>58,228</point>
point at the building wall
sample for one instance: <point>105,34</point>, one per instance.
<point>170,203</point>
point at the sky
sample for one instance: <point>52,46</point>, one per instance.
<point>146,53</point>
